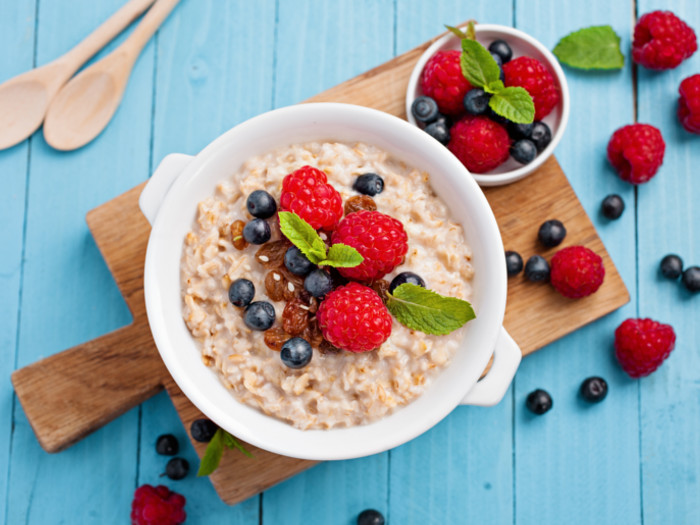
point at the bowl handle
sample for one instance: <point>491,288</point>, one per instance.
<point>490,389</point>
<point>158,185</point>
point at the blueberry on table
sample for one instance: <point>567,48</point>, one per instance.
<point>177,468</point>
<point>537,269</point>
<point>296,262</point>
<point>424,109</point>
<point>259,315</point>
<point>439,130</point>
<point>261,204</point>
<point>541,135</point>
<point>241,292</point>
<point>671,266</point>
<point>523,151</point>
<point>514,263</point>
<point>476,101</point>
<point>370,517</point>
<point>502,49</point>
<point>257,231</point>
<point>551,233</point>
<point>369,184</point>
<point>594,389</point>
<point>612,206</point>
<point>691,279</point>
<point>519,131</point>
<point>539,401</point>
<point>406,277</point>
<point>203,430</point>
<point>318,283</point>
<point>296,352</point>
<point>167,445</point>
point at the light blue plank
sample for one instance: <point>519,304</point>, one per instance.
<point>579,463</point>
<point>668,223</point>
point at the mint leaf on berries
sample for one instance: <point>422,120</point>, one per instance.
<point>596,47</point>
<point>428,311</point>
<point>231,442</point>
<point>478,66</point>
<point>342,256</point>
<point>212,455</point>
<point>513,103</point>
<point>303,236</point>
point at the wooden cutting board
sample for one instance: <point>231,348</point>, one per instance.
<point>70,394</point>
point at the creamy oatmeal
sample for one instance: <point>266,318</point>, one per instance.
<point>336,389</point>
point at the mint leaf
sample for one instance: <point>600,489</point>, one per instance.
<point>494,86</point>
<point>303,236</point>
<point>456,31</point>
<point>231,442</point>
<point>478,66</point>
<point>342,256</point>
<point>513,103</point>
<point>428,311</point>
<point>596,47</point>
<point>469,34</point>
<point>212,455</point>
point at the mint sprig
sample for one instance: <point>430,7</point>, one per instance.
<point>595,47</point>
<point>428,311</point>
<point>215,451</point>
<point>303,236</point>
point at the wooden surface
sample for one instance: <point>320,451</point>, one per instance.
<point>635,458</point>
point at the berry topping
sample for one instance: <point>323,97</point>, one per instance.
<point>439,130</point>
<point>576,272</point>
<point>476,101</point>
<point>177,468</point>
<point>359,202</point>
<point>442,80</point>
<point>296,353</point>
<point>641,345</point>
<point>612,206</point>
<point>671,266</point>
<point>594,389</point>
<point>369,184</point>
<point>318,283</point>
<point>530,74</point>
<point>157,506</point>
<point>689,104</point>
<point>257,231</point>
<point>541,135</point>
<point>406,277</point>
<point>241,292</point>
<point>307,193</point>
<point>479,143</point>
<point>539,401</point>
<point>370,517</point>
<point>261,204</point>
<point>514,263</point>
<point>662,40</point>
<point>379,238</point>
<point>523,151</point>
<point>551,233</point>
<point>691,279</point>
<point>296,262</point>
<point>636,152</point>
<point>259,315</point>
<point>537,269</point>
<point>502,49</point>
<point>353,317</point>
<point>520,131</point>
<point>167,445</point>
<point>424,109</point>
<point>203,430</point>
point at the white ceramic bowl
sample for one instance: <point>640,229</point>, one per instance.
<point>522,44</point>
<point>169,202</point>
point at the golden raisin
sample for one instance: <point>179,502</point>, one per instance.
<point>275,285</point>
<point>312,333</point>
<point>295,317</point>
<point>359,202</point>
<point>271,254</point>
<point>237,235</point>
<point>275,337</point>
<point>382,288</point>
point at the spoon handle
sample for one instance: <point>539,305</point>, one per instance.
<point>147,27</point>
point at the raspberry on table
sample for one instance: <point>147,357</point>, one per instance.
<point>530,74</point>
<point>443,81</point>
<point>662,40</point>
<point>479,143</point>
<point>636,152</point>
<point>307,193</point>
<point>689,104</point>
<point>379,238</point>
<point>641,345</point>
<point>353,317</point>
<point>576,271</point>
<point>157,506</point>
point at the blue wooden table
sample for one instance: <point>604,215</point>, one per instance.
<point>635,458</point>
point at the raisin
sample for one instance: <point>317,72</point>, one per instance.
<point>327,348</point>
<point>275,284</point>
<point>312,333</point>
<point>275,337</point>
<point>382,288</point>
<point>310,301</point>
<point>271,254</point>
<point>295,317</point>
<point>359,202</point>
<point>237,235</point>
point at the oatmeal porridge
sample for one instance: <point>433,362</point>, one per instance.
<point>337,388</point>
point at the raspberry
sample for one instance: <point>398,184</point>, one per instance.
<point>576,272</point>
<point>530,74</point>
<point>157,506</point>
<point>442,80</point>
<point>307,193</point>
<point>641,345</point>
<point>353,317</point>
<point>480,143</point>
<point>636,152</point>
<point>380,239</point>
<point>662,40</point>
<point>689,104</point>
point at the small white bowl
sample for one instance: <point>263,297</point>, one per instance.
<point>522,44</point>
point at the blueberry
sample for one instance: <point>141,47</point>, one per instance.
<point>406,277</point>
<point>539,401</point>
<point>691,279</point>
<point>551,233</point>
<point>612,206</point>
<point>241,292</point>
<point>537,269</point>
<point>261,204</point>
<point>259,315</point>
<point>671,266</point>
<point>203,430</point>
<point>541,135</point>
<point>503,121</point>
<point>296,262</point>
<point>167,445</point>
<point>523,151</point>
<point>177,468</point>
<point>296,352</point>
<point>594,389</point>
<point>520,131</point>
<point>369,184</point>
<point>502,49</point>
<point>439,130</point>
<point>424,109</point>
<point>318,283</point>
<point>514,263</point>
<point>257,231</point>
<point>498,59</point>
<point>370,517</point>
<point>476,101</point>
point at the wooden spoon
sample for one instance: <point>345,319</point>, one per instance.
<point>25,98</point>
<point>86,104</point>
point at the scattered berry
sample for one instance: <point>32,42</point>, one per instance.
<point>594,389</point>
<point>439,130</point>
<point>541,135</point>
<point>530,74</point>
<point>241,292</point>
<point>520,131</point>
<point>307,193</point>
<point>662,40</point>
<point>296,353</point>
<point>257,231</point>
<point>689,103</point>
<point>479,143</point>
<point>296,262</point>
<point>259,315</point>
<point>379,238</point>
<point>369,184</point>
<point>537,269</point>
<point>671,266</point>
<point>442,80</point>
<point>636,152</point>
<point>370,517</point>
<point>551,233</point>
<point>539,401</point>
<point>157,506</point>
<point>261,204</point>
<point>406,277</point>
<point>167,445</point>
<point>203,430</point>
<point>476,101</point>
<point>318,283</point>
<point>612,206</point>
<point>177,468</point>
<point>523,151</point>
<point>641,345</point>
<point>424,109</point>
<point>354,318</point>
<point>502,49</point>
<point>514,263</point>
<point>691,279</point>
<point>576,272</point>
